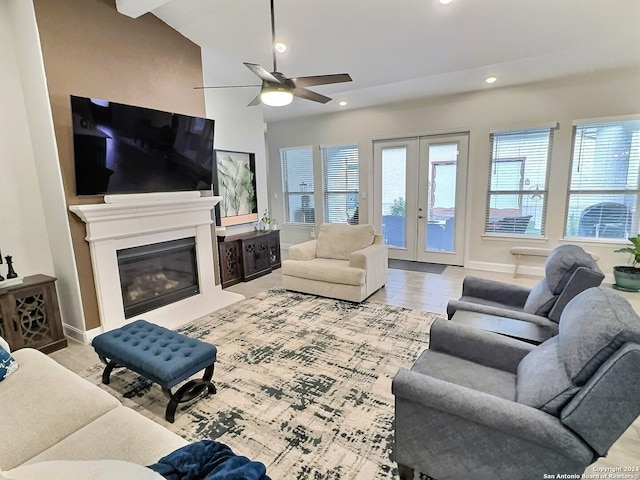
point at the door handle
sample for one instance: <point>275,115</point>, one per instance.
<point>420,216</point>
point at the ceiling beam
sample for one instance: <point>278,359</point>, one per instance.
<point>136,8</point>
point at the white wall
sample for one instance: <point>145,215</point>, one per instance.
<point>238,128</point>
<point>48,180</point>
<point>600,95</point>
<point>23,232</point>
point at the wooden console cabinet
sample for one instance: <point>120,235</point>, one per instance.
<point>246,256</point>
<point>30,315</point>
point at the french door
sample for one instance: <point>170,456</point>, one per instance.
<point>420,187</point>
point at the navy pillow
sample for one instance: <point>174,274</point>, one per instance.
<point>8,364</point>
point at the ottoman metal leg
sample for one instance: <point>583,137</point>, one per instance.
<point>109,365</point>
<point>189,391</point>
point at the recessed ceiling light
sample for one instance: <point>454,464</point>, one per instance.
<point>280,47</point>
<point>445,2</point>
<point>342,103</point>
<point>491,79</point>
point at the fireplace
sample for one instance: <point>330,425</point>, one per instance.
<point>126,232</point>
<point>155,275</point>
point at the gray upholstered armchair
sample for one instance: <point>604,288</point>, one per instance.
<point>569,270</point>
<point>483,406</point>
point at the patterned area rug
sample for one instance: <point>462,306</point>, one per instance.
<point>304,384</point>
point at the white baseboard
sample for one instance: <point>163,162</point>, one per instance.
<point>78,335</point>
<point>506,268</point>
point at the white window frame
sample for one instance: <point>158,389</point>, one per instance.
<point>308,217</point>
<point>634,227</point>
<point>326,192</point>
<point>492,228</point>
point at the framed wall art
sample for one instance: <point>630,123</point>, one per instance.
<point>234,179</point>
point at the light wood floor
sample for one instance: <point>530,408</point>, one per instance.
<point>424,291</point>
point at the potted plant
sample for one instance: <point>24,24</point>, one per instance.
<point>266,220</point>
<point>627,277</point>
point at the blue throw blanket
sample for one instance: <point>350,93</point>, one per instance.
<point>208,460</point>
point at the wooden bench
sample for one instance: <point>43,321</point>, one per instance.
<point>519,252</point>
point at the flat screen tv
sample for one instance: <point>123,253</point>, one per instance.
<point>127,149</point>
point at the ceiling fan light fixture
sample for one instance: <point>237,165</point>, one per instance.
<point>280,47</point>
<point>276,95</point>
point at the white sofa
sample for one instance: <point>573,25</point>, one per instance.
<point>348,262</point>
<point>50,413</point>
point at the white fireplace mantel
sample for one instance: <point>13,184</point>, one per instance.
<point>132,215</point>
<point>126,221</point>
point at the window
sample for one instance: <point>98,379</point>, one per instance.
<point>297,184</point>
<point>341,182</point>
<point>517,197</point>
<point>603,190</point>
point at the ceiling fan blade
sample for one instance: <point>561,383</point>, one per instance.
<point>309,95</point>
<point>262,73</point>
<point>320,80</point>
<point>255,101</point>
<point>227,86</point>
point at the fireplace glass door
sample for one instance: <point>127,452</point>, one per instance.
<point>155,275</point>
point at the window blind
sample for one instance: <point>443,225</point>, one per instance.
<point>517,196</point>
<point>603,190</point>
<point>341,182</point>
<point>298,184</point>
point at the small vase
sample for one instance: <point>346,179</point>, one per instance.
<point>274,226</point>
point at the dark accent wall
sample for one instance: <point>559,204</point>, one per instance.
<point>91,50</point>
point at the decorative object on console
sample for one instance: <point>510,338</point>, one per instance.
<point>234,180</point>
<point>246,256</point>
<point>266,221</point>
<point>12,277</point>
<point>10,271</point>
<point>627,277</point>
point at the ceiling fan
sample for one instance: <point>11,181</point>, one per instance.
<point>278,90</point>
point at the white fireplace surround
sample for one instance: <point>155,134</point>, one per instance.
<point>125,221</point>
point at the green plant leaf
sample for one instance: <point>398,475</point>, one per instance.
<point>633,250</point>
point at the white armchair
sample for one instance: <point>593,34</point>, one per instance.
<point>348,262</point>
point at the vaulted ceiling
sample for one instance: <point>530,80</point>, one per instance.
<point>397,50</point>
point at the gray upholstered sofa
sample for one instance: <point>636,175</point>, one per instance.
<point>52,414</point>
<point>348,262</point>
<point>483,406</point>
<point>569,270</point>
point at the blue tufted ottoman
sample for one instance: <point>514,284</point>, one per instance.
<point>161,355</point>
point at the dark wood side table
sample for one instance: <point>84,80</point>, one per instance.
<point>509,327</point>
<point>30,315</point>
